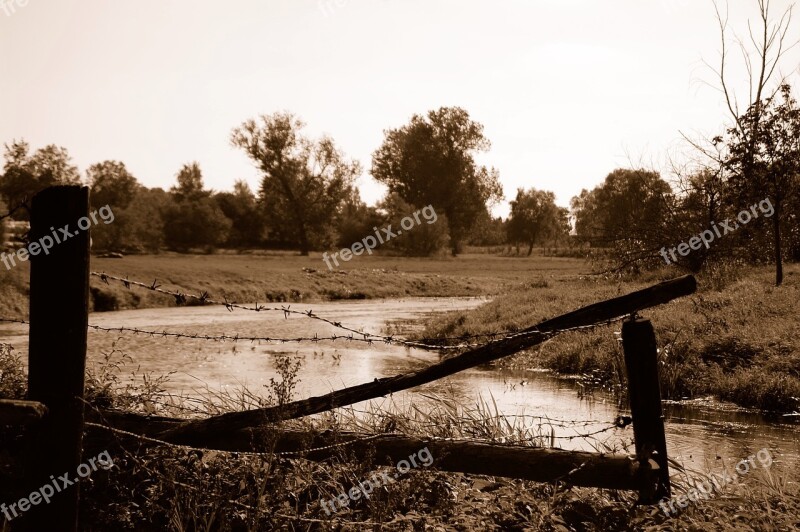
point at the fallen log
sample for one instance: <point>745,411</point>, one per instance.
<point>211,431</point>
<point>575,468</point>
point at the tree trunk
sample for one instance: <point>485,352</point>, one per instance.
<point>530,248</point>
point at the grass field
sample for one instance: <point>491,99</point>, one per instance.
<point>270,277</point>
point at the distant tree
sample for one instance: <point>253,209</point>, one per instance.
<point>427,238</point>
<point>356,220</point>
<point>193,219</point>
<point>145,222</point>
<point>24,175</point>
<point>535,218</point>
<point>111,184</point>
<point>138,227</point>
<point>241,208</point>
<point>431,161</point>
<point>628,213</point>
<point>52,165</point>
<point>190,184</point>
<point>305,182</point>
<point>488,231</point>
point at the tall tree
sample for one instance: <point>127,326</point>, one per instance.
<point>767,162</point>
<point>194,219</point>
<point>111,184</point>
<point>761,51</point>
<point>305,182</point>
<point>241,208</point>
<point>190,183</point>
<point>430,161</point>
<point>535,217</point>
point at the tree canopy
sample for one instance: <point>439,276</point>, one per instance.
<point>430,161</point>
<point>304,182</point>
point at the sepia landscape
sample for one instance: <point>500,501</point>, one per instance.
<point>350,265</point>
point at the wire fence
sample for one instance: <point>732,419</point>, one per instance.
<point>352,335</point>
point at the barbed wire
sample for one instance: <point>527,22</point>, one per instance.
<point>388,340</point>
<point>355,335</point>
<point>204,298</point>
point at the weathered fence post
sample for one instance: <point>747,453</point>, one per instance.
<point>641,362</point>
<point>57,350</point>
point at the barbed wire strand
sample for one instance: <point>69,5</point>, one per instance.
<point>388,340</point>
<point>361,335</point>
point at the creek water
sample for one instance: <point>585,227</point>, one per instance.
<point>701,436</point>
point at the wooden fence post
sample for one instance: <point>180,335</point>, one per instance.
<point>59,298</point>
<point>641,362</point>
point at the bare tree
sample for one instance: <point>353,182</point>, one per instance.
<point>762,52</point>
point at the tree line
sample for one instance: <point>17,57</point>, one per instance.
<point>307,199</point>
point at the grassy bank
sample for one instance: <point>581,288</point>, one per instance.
<point>736,339</point>
<point>287,277</point>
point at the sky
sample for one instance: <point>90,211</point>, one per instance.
<point>567,90</point>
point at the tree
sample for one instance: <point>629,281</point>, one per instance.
<point>430,161</point>
<point>24,175</point>
<point>193,219</point>
<point>111,184</point>
<point>305,182</point>
<point>628,212</point>
<point>138,227</point>
<point>195,224</point>
<point>767,162</point>
<point>762,52</point>
<point>52,166</point>
<point>429,237</point>
<point>190,183</point>
<point>535,217</point>
<point>241,208</point>
<point>356,220</point>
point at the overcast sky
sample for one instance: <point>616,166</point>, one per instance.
<point>567,90</point>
